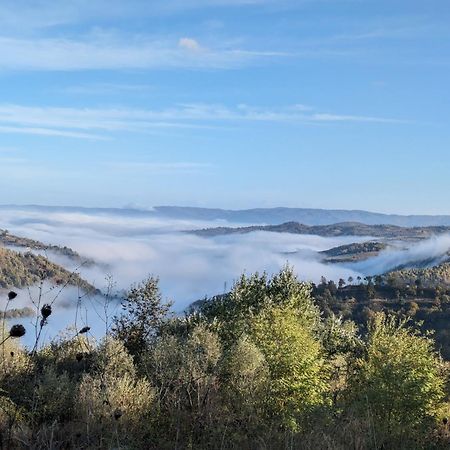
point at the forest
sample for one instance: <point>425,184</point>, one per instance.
<point>275,363</point>
<point>420,295</point>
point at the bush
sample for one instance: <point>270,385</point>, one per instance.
<point>245,384</point>
<point>185,372</point>
<point>113,402</point>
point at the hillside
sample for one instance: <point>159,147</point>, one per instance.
<point>430,277</point>
<point>334,230</point>
<point>353,252</point>
<point>20,270</point>
<point>9,240</point>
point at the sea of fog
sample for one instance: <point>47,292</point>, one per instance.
<point>130,248</point>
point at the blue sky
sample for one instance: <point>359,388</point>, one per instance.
<point>226,103</point>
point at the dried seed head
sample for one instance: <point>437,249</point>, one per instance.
<point>84,330</point>
<point>46,311</point>
<point>117,414</point>
<point>12,295</point>
<point>12,354</point>
<point>17,331</point>
<point>79,356</point>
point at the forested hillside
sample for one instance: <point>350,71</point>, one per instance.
<point>20,270</point>
<point>336,229</point>
<point>10,240</point>
<point>420,294</point>
<point>353,252</point>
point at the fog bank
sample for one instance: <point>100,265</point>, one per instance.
<point>130,248</point>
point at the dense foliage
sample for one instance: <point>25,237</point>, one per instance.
<point>10,240</point>
<point>258,368</point>
<point>420,294</point>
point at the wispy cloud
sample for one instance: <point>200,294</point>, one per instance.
<point>106,89</point>
<point>37,131</point>
<point>91,123</point>
<point>157,167</point>
<point>107,52</point>
<point>190,44</point>
<point>350,118</point>
<point>48,13</point>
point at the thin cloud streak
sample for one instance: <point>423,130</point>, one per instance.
<point>106,52</point>
<point>67,122</point>
<point>43,14</point>
<point>158,167</point>
<point>50,132</point>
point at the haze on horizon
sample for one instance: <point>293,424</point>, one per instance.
<point>343,104</point>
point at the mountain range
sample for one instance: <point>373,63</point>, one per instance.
<point>255,216</point>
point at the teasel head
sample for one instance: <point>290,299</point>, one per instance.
<point>17,331</point>
<point>46,311</point>
<point>12,295</point>
<point>118,414</point>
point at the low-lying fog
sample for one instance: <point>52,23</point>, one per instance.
<point>189,267</point>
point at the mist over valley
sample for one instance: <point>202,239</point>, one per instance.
<point>129,245</point>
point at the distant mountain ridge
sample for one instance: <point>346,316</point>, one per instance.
<point>333,230</point>
<point>307,216</point>
<point>259,216</point>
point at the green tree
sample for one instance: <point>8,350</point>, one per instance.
<point>143,313</point>
<point>399,383</point>
<point>294,356</point>
<point>250,295</point>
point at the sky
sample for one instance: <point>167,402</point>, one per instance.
<point>226,103</point>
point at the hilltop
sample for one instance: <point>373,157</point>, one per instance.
<point>10,240</point>
<point>20,270</point>
<point>353,252</point>
<point>429,277</point>
<point>333,230</point>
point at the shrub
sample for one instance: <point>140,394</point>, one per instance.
<point>112,402</point>
<point>185,371</point>
<point>245,383</point>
